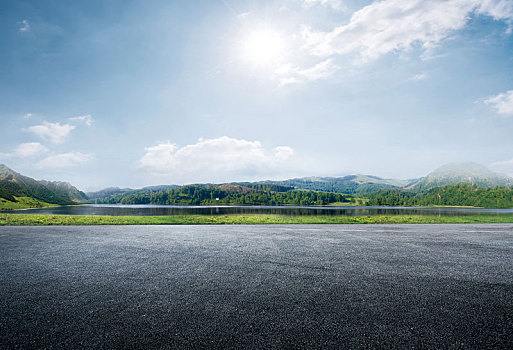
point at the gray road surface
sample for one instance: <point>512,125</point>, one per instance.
<point>269,287</point>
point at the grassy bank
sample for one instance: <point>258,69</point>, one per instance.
<point>23,203</point>
<point>27,220</point>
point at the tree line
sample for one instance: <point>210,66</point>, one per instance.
<point>463,194</point>
<point>231,194</point>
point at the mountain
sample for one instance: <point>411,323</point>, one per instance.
<point>228,194</point>
<point>65,190</point>
<point>110,191</point>
<point>235,188</point>
<point>467,172</point>
<point>352,184</point>
<point>114,191</point>
<point>359,185</point>
<point>13,184</point>
<point>158,188</point>
<point>363,185</point>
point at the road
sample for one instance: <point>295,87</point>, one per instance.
<point>258,287</point>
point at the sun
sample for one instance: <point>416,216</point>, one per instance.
<point>263,47</point>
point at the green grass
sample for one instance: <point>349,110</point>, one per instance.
<point>241,219</point>
<point>23,203</point>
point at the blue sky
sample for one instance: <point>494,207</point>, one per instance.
<point>136,93</point>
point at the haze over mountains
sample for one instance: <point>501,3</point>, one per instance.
<point>14,185</point>
<point>454,173</point>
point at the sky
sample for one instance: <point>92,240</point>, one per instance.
<point>138,93</point>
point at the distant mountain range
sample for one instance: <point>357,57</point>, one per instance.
<point>14,185</point>
<point>449,174</point>
<point>114,191</point>
<point>351,184</point>
<point>467,172</point>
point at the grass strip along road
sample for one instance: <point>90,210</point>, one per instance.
<point>242,219</point>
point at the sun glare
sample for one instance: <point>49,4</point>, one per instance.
<point>263,47</point>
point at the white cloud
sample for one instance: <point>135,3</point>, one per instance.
<point>321,70</point>
<point>283,153</point>
<point>29,149</point>
<point>395,25</point>
<point>289,81</point>
<point>498,9</point>
<point>420,76</point>
<point>26,150</point>
<point>243,15</point>
<point>55,132</point>
<point>27,116</point>
<point>335,4</point>
<point>86,119</point>
<point>380,28</point>
<point>505,166</point>
<point>502,103</point>
<point>221,159</point>
<point>293,75</point>
<point>24,26</point>
<point>64,160</point>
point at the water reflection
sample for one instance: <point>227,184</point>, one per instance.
<point>157,210</point>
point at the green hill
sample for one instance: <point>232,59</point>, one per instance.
<point>114,191</point>
<point>65,190</point>
<point>352,184</point>
<point>17,191</point>
<point>354,189</point>
<point>462,194</point>
<point>233,194</point>
<point>466,172</point>
<point>107,192</point>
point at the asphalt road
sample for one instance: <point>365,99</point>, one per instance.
<point>269,287</point>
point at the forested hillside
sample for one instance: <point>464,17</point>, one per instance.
<point>19,191</point>
<point>113,191</point>
<point>463,194</point>
<point>351,184</point>
<point>251,194</point>
<point>454,173</point>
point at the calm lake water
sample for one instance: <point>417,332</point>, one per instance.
<point>155,210</point>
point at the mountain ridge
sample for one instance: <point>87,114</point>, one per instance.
<point>461,172</point>
<point>361,185</point>
<point>14,184</point>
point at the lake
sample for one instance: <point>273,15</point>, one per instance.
<point>157,210</point>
